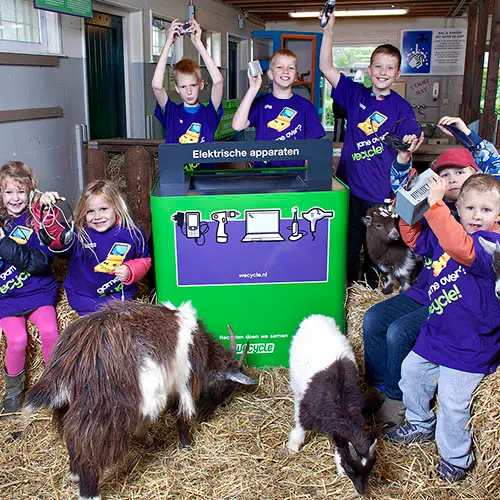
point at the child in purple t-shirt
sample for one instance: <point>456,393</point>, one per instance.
<point>110,253</point>
<point>280,115</point>
<point>188,122</point>
<point>365,161</point>
<point>459,342</point>
<point>27,286</point>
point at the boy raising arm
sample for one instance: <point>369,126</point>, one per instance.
<point>190,121</point>
<point>281,114</point>
<point>365,160</point>
<point>459,342</point>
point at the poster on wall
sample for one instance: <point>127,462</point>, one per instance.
<point>433,52</point>
<point>81,8</point>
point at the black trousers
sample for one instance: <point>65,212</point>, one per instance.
<point>356,239</point>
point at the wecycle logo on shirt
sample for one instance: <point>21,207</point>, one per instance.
<point>368,148</point>
<point>446,296</point>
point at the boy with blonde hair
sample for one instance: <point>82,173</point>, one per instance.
<point>188,122</point>
<point>459,343</point>
<point>365,161</point>
<point>281,114</point>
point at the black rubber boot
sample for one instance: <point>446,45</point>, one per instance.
<point>14,391</point>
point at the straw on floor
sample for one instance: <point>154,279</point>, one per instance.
<point>241,452</point>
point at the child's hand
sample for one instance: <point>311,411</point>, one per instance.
<point>2,234</point>
<point>50,198</point>
<point>174,31</point>
<point>196,34</point>
<point>456,122</point>
<point>415,142</point>
<point>437,189</point>
<point>255,81</point>
<point>329,25</point>
<point>122,273</point>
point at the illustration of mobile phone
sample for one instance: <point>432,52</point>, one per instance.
<point>193,224</point>
<point>21,234</point>
<point>115,258</point>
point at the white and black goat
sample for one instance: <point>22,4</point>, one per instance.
<point>324,381</point>
<point>114,371</point>
<point>494,250</point>
<point>387,249</point>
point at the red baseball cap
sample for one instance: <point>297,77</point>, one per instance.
<point>455,157</point>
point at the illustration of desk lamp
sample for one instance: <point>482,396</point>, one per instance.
<point>222,217</point>
<point>313,215</point>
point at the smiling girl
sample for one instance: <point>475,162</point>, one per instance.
<point>27,286</point>
<point>110,254</point>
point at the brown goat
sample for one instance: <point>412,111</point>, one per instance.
<point>387,249</point>
<point>114,371</point>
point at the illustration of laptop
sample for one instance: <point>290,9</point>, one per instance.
<point>21,234</point>
<point>372,123</point>
<point>262,225</point>
<point>115,258</point>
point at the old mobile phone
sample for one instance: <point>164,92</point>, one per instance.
<point>254,68</point>
<point>193,224</point>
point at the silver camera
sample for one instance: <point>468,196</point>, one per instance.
<point>186,29</point>
<point>254,68</point>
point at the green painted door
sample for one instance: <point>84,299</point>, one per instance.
<point>105,76</point>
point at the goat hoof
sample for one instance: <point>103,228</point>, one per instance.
<point>74,478</point>
<point>388,289</point>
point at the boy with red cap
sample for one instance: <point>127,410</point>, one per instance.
<point>391,327</point>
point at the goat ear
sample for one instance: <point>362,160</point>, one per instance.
<point>352,451</point>
<point>367,221</point>
<point>239,377</point>
<point>489,246</point>
<point>371,450</point>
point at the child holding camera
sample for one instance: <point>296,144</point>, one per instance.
<point>188,122</point>
<point>27,286</point>
<point>280,115</point>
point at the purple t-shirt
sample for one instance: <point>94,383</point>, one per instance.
<point>183,127</point>
<point>463,328</point>
<point>87,284</point>
<point>365,162</point>
<point>284,120</point>
<point>21,291</point>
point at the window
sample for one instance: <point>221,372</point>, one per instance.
<point>483,87</point>
<point>24,29</point>
<point>213,43</point>
<point>159,37</point>
<point>353,62</point>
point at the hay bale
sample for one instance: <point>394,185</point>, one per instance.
<point>241,452</point>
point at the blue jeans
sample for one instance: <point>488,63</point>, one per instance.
<point>419,381</point>
<point>390,329</point>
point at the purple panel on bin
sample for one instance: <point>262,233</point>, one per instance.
<point>204,261</point>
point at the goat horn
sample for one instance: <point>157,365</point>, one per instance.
<point>243,355</point>
<point>232,341</point>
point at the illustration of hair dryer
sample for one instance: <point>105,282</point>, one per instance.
<point>313,215</point>
<point>222,219</point>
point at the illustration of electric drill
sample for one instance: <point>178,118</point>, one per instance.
<point>222,217</point>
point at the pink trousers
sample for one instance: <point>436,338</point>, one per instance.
<point>15,331</point>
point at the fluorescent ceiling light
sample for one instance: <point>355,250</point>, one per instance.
<point>354,13</point>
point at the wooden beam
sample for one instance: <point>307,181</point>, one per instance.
<point>8,59</point>
<point>16,115</point>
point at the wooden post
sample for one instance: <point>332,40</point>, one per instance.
<point>482,27</point>
<point>489,119</point>
<point>139,165</point>
<point>469,62</point>
<point>97,162</point>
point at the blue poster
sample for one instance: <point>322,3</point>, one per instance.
<point>416,52</point>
